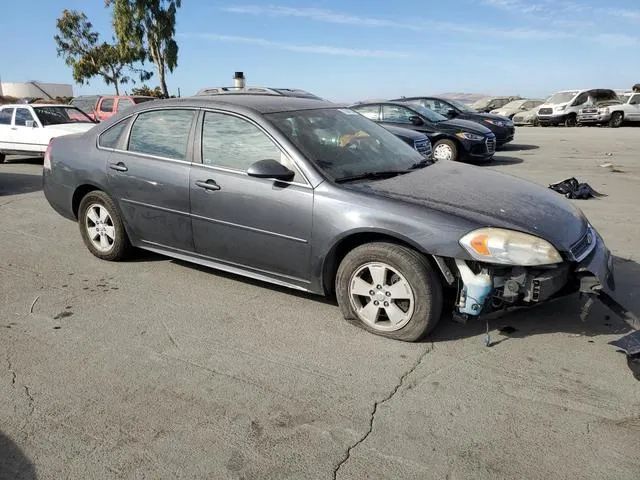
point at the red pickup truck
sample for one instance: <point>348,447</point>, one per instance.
<point>100,108</point>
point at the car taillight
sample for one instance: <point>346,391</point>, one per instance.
<point>47,156</point>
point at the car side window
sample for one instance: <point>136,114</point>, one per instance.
<point>107,105</point>
<point>22,116</point>
<point>5,116</point>
<point>371,111</point>
<point>581,100</point>
<point>231,142</point>
<point>396,114</point>
<point>124,103</point>
<point>162,133</point>
<point>635,100</point>
<point>111,137</point>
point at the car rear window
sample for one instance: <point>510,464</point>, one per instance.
<point>5,116</point>
<point>111,137</point>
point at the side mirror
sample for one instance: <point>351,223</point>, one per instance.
<point>452,113</point>
<point>270,169</point>
<point>416,120</point>
<point>30,124</point>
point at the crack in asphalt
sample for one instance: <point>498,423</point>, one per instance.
<point>13,373</point>
<point>31,400</point>
<point>374,411</point>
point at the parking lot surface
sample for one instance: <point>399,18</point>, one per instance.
<point>154,368</point>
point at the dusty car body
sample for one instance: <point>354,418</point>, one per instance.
<point>487,104</point>
<point>517,106</point>
<point>610,110</point>
<point>313,196</point>
<point>562,108</point>
<point>529,117</point>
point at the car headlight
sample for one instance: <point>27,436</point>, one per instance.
<point>561,108</point>
<point>470,136</point>
<point>508,247</point>
<point>497,123</point>
<point>604,110</point>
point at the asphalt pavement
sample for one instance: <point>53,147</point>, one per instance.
<point>155,368</point>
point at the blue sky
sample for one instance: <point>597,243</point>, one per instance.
<point>349,50</point>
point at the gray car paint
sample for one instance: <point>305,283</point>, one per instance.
<point>288,233</point>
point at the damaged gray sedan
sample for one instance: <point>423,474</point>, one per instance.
<point>306,194</point>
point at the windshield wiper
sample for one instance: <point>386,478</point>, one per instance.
<point>371,175</point>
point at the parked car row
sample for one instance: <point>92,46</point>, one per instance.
<point>307,194</point>
<point>101,107</point>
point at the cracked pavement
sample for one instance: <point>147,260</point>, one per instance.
<point>156,369</point>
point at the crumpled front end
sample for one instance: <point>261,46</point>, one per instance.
<point>484,288</point>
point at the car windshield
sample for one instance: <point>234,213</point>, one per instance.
<point>624,98</point>
<point>343,143</point>
<point>515,104</point>
<point>461,106</point>
<point>60,115</point>
<point>561,97</point>
<point>142,99</point>
<point>425,112</point>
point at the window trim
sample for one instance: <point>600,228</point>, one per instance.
<point>395,122</point>
<point>198,148</point>
<point>34,117</point>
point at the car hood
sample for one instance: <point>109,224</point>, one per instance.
<point>489,198</point>
<point>458,124</point>
<point>66,128</point>
<point>526,113</point>
<point>505,112</point>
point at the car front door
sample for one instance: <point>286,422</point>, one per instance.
<point>105,108</point>
<point>148,175</point>
<point>400,117</point>
<point>256,223</point>
<point>634,110</point>
<point>27,133</point>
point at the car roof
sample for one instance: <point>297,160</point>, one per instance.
<point>382,102</point>
<point>256,102</point>
<point>26,105</point>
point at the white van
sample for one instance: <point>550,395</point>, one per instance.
<point>562,108</point>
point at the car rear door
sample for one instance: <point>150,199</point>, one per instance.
<point>256,223</point>
<point>148,175</point>
<point>27,133</point>
<point>6,117</point>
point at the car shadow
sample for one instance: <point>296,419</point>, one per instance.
<point>511,147</point>
<point>14,464</point>
<point>557,316</point>
<point>502,160</point>
<point>24,160</point>
<point>17,183</point>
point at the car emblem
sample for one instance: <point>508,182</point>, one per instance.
<point>589,238</point>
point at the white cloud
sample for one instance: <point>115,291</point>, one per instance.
<point>617,40</point>
<point>518,6</point>
<point>293,47</point>
<point>329,16</point>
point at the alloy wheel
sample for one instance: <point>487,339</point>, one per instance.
<point>100,228</point>
<point>381,297</point>
<point>443,152</point>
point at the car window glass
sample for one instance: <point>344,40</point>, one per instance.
<point>635,100</point>
<point>22,116</point>
<point>581,99</point>
<point>5,116</point>
<point>371,112</point>
<point>124,103</point>
<point>162,133</point>
<point>111,136</point>
<point>396,114</point>
<point>232,142</point>
<point>107,105</point>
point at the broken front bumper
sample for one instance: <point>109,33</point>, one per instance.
<point>484,288</point>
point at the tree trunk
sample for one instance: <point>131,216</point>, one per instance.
<point>163,83</point>
<point>117,88</point>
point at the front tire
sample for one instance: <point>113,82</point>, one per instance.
<point>101,227</point>
<point>446,150</point>
<point>616,120</point>
<point>389,290</point>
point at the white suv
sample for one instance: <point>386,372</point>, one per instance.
<point>562,108</point>
<point>626,107</point>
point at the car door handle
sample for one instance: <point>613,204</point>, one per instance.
<point>208,184</point>
<point>120,167</point>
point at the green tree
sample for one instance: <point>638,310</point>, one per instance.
<point>146,91</point>
<point>149,25</point>
<point>82,50</point>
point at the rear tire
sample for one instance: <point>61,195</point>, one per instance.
<point>389,290</point>
<point>446,150</point>
<point>616,120</point>
<point>101,227</point>
<point>571,121</point>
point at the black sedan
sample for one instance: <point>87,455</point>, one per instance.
<point>451,139</point>
<point>502,127</point>
<point>313,196</point>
